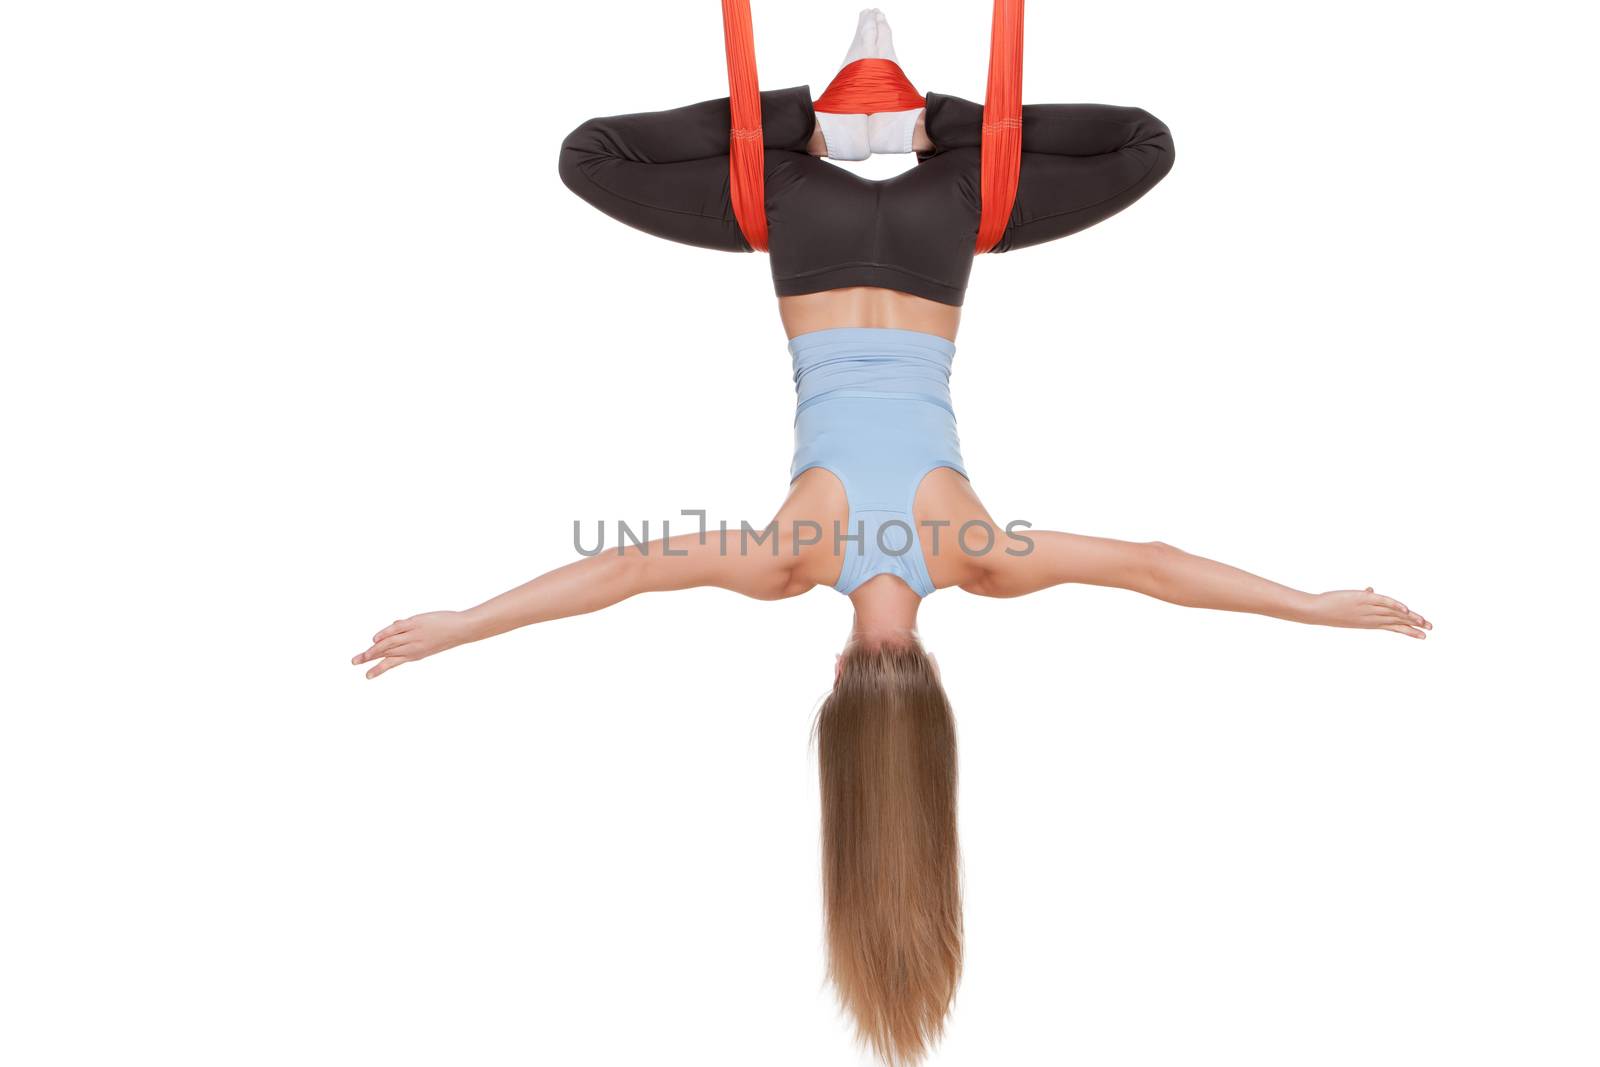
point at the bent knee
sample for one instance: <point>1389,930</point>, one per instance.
<point>1151,135</point>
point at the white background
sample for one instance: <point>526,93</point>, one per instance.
<point>301,333</point>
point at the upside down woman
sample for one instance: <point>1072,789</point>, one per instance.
<point>870,278</point>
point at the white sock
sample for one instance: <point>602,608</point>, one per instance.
<point>889,132</point>
<point>874,40</point>
<point>845,135</point>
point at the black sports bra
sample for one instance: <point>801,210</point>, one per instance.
<point>666,172</point>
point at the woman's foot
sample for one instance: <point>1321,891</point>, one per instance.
<point>874,39</point>
<point>856,137</point>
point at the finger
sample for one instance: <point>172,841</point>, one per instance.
<point>1405,614</point>
<point>1402,628</point>
<point>1391,602</point>
<point>1395,615</point>
<point>381,648</point>
<point>388,664</point>
<point>398,626</point>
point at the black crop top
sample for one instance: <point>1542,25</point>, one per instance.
<point>666,172</point>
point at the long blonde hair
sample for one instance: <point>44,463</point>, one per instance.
<point>891,862</point>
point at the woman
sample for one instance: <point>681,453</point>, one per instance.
<point>870,278</point>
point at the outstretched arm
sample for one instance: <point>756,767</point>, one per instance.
<point>765,572</point>
<point>666,172</point>
<point>1166,573</point>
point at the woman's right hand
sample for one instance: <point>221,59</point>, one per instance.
<point>420,636</point>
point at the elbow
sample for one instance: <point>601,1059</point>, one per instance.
<point>1157,561</point>
<point>632,571</point>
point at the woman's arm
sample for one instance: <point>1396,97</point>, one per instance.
<point>1166,573</point>
<point>1081,163</point>
<point>765,570</point>
<point>666,172</point>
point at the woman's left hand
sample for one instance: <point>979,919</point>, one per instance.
<point>408,640</point>
<point>1366,610</point>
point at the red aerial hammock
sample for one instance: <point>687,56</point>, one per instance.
<point>871,85</point>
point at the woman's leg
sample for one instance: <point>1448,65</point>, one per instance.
<point>1081,163</point>
<point>666,172</point>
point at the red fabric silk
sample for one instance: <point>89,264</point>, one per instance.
<point>881,89</point>
<point>867,86</point>
<point>747,179</point>
<point>1002,123</point>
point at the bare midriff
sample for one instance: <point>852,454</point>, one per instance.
<point>867,306</point>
